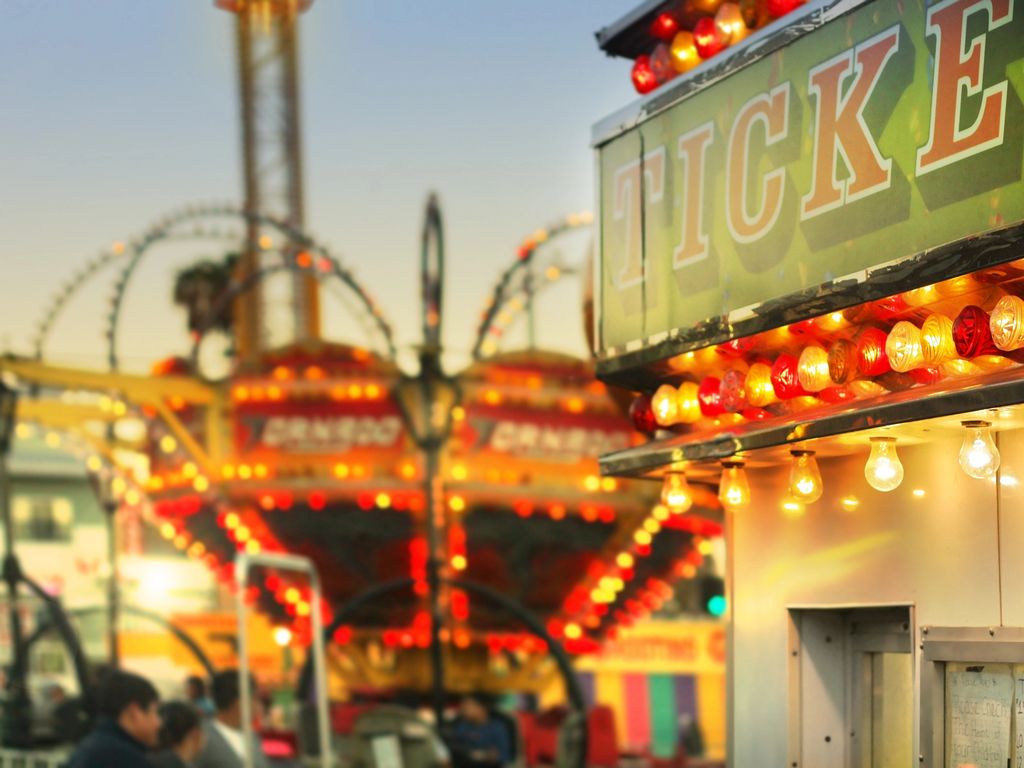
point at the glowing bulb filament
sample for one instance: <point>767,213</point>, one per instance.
<point>979,457</point>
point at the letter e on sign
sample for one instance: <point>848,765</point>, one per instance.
<point>959,73</point>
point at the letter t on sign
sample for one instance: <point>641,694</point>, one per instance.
<point>627,209</point>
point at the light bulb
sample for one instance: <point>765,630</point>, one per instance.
<point>758,385</point>
<point>812,369</point>
<point>730,23</point>
<point>1006,323</point>
<point>664,405</point>
<point>733,489</point>
<point>804,477</point>
<point>676,493</point>
<point>684,52</point>
<point>937,344</point>
<point>979,456</point>
<point>688,403</point>
<point>883,471</point>
<point>903,347</point>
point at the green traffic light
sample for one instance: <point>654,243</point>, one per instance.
<point>717,605</point>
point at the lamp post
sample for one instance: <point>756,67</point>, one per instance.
<point>104,493</point>
<point>426,401</point>
<point>17,715</point>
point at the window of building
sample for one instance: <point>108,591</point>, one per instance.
<point>972,697</point>
<point>42,518</point>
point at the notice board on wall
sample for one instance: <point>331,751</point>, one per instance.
<point>980,709</point>
<point>1018,716</point>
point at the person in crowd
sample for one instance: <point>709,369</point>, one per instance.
<point>195,693</point>
<point>128,724</point>
<point>225,740</point>
<point>181,736</point>
<point>478,740</point>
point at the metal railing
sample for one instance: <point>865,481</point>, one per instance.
<point>14,758</point>
<point>243,565</point>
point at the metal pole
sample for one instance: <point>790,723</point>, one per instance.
<point>531,317</point>
<point>432,481</point>
<point>16,721</point>
<point>113,587</point>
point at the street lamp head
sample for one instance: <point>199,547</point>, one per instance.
<point>8,415</point>
<point>425,403</point>
<point>103,489</point>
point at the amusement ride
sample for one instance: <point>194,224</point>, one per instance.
<point>460,528</point>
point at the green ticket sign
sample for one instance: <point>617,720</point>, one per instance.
<point>884,132</point>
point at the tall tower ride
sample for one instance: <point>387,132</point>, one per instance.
<point>284,308</point>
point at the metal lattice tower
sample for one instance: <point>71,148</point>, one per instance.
<point>285,309</point>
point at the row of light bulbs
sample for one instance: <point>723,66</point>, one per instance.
<point>979,458</point>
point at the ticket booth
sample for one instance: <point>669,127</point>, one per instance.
<point>811,275</point>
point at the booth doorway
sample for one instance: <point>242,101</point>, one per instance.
<point>852,687</point>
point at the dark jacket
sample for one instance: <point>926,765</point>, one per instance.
<point>109,746</point>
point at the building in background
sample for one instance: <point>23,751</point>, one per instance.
<point>61,539</point>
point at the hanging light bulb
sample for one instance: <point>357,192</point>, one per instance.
<point>979,456</point>
<point>804,477</point>
<point>676,493</point>
<point>733,489</point>
<point>883,471</point>
<point>664,405</point>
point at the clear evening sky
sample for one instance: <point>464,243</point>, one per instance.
<point>118,111</point>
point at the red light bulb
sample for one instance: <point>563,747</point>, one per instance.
<point>708,37</point>
<point>777,8</point>
<point>842,362</point>
<point>665,26</point>
<point>785,378</point>
<point>871,357</point>
<point>710,397</point>
<point>732,390</point>
<point>642,415</point>
<point>972,335</point>
<point>661,64</point>
<point>643,76</point>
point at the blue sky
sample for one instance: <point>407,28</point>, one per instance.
<point>117,111</point>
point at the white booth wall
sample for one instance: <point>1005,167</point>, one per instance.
<point>938,552</point>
